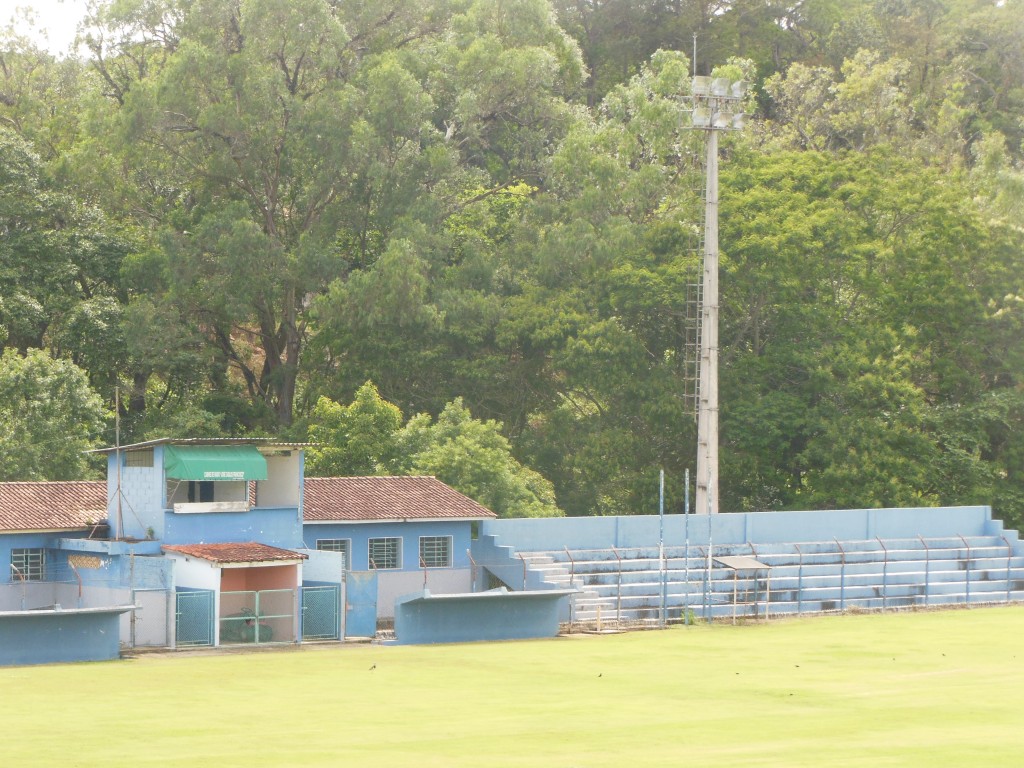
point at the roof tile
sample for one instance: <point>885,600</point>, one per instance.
<point>359,499</point>
<point>52,505</point>
<point>235,552</point>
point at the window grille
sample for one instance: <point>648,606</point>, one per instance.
<point>385,553</point>
<point>139,458</point>
<point>28,564</point>
<point>435,551</point>
<point>336,545</point>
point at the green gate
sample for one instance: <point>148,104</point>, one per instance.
<point>321,617</point>
<point>193,617</point>
<point>257,617</point>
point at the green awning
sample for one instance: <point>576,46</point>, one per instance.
<point>214,462</point>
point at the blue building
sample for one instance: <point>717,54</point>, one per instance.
<point>207,542</point>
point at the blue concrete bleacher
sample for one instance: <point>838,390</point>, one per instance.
<point>909,558</point>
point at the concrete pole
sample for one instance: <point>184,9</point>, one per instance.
<point>707,420</point>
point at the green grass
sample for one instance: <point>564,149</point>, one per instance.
<point>912,689</point>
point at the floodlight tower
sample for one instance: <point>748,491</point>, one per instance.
<point>716,107</point>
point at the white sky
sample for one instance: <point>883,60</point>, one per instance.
<point>58,18</point>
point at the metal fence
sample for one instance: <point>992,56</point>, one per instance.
<point>193,618</point>
<point>257,617</point>
<point>321,615</point>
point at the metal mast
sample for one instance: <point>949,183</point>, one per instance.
<point>716,104</point>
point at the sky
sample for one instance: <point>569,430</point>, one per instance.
<point>57,17</point>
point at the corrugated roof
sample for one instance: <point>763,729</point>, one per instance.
<point>235,552</point>
<point>361,499</point>
<point>52,505</point>
<point>265,442</point>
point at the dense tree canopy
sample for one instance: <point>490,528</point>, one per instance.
<point>241,212</point>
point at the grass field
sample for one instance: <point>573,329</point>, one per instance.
<point>911,689</point>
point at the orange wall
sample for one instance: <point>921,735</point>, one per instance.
<point>264,577</point>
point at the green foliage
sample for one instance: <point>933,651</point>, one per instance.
<point>358,439</point>
<point>49,416</point>
<point>366,437</point>
<point>473,457</point>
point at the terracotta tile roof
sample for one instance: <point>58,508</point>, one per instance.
<point>52,506</point>
<point>246,552</point>
<point>360,499</point>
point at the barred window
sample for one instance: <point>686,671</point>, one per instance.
<point>435,551</point>
<point>140,458</point>
<point>385,553</point>
<point>336,545</point>
<point>28,564</point>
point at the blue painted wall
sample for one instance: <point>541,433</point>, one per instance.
<point>275,527</point>
<point>410,532</point>
<point>44,637</point>
<point>540,534</point>
<point>494,615</point>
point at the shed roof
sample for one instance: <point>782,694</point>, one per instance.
<point>263,442</point>
<point>235,552</point>
<point>52,505</point>
<point>363,499</point>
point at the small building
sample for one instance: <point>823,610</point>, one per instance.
<point>410,533</point>
<point>208,542</point>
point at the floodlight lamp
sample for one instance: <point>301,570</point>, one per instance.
<point>701,117</point>
<point>738,89</point>
<point>739,120</point>
<point>701,85</point>
<point>720,86</point>
<point>721,120</point>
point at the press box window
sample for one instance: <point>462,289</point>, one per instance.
<point>336,545</point>
<point>435,551</point>
<point>28,564</point>
<point>385,553</point>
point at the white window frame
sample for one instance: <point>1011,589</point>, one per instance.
<point>434,550</point>
<point>29,564</point>
<point>389,551</point>
<point>337,545</point>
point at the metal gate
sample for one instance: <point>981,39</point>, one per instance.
<point>193,617</point>
<point>361,599</point>
<point>321,617</point>
<point>257,617</point>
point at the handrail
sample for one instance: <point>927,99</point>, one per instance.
<point>572,581</point>
<point>927,568</point>
<point>1009,559</point>
<point>473,567</point>
<point>842,575</point>
<point>21,576</point>
<point>618,588</point>
<point>967,572</point>
<point>885,572</point>
<point>524,569</point>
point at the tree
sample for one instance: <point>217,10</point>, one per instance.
<point>49,416</point>
<point>366,437</point>
<point>358,439</point>
<point>473,457</point>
